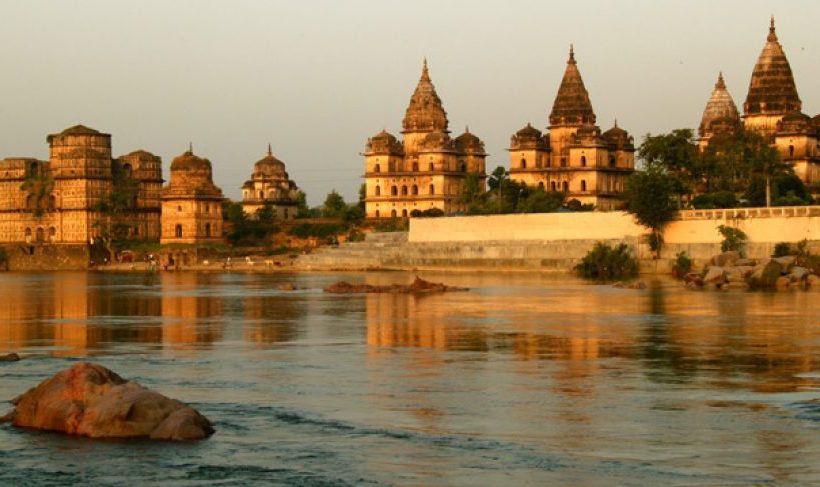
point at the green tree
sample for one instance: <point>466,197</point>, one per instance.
<point>471,190</point>
<point>677,152</point>
<point>540,201</point>
<point>334,205</point>
<point>498,177</point>
<point>649,196</point>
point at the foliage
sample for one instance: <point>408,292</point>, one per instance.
<point>733,239</point>
<point>334,205</point>
<point>786,190</point>
<point>355,235</point>
<point>782,249</point>
<point>648,196</point>
<point>677,153</point>
<point>604,262</point>
<point>428,213</point>
<point>682,265</point>
<point>319,230</point>
<point>508,196</point>
<point>472,189</point>
<point>302,210</point>
<point>39,190</point>
<point>655,241</point>
<point>392,225</point>
<point>718,199</point>
<point>249,231</point>
<point>117,209</point>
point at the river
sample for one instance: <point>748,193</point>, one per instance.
<point>526,379</point>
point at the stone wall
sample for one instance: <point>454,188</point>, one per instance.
<point>54,257</point>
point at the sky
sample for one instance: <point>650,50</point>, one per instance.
<point>316,78</point>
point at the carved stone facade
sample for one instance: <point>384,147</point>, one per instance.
<point>59,200</point>
<point>574,157</point>
<point>427,169</point>
<point>191,203</point>
<point>270,185</point>
<point>772,109</point>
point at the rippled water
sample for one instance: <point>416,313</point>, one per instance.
<point>524,380</point>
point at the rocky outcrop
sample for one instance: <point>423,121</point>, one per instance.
<point>90,400</point>
<point>419,286</point>
<point>729,271</point>
<point>9,357</point>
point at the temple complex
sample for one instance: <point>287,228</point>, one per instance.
<point>574,156</point>
<point>80,193</point>
<point>270,185</point>
<point>772,109</point>
<point>191,203</point>
<point>427,169</point>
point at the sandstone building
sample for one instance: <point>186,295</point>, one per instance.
<point>772,109</point>
<point>68,199</point>
<point>191,203</point>
<point>574,156</point>
<point>425,170</point>
<point>270,185</point>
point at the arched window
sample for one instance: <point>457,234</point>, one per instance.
<point>261,195</point>
<point>377,168</point>
<point>52,234</point>
<point>541,185</point>
<point>791,151</point>
<point>583,185</point>
<point>404,190</point>
<point>207,230</point>
<point>52,203</point>
<point>612,161</point>
<point>563,162</point>
<point>553,187</point>
<point>29,202</point>
<point>178,231</point>
<point>127,171</point>
<point>404,213</point>
<point>41,235</point>
<point>393,213</point>
<point>523,163</point>
<point>432,189</point>
<point>207,208</point>
<point>28,234</point>
<point>394,190</point>
<point>179,208</point>
<point>583,161</point>
<point>415,189</point>
<point>431,168</point>
<point>415,165</point>
<point>377,213</point>
<point>378,191</point>
<point>565,186</point>
<point>32,169</point>
<point>286,213</point>
<point>462,166</point>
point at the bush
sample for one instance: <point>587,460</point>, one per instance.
<point>320,230</point>
<point>392,225</point>
<point>683,264</point>
<point>718,199</point>
<point>782,249</point>
<point>733,239</point>
<point>606,263</point>
<point>429,213</point>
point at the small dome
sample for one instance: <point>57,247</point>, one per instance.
<point>384,143</point>
<point>528,132</point>
<point>187,161</point>
<point>617,136</point>
<point>720,106</point>
<point>469,142</point>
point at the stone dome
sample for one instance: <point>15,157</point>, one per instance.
<point>187,161</point>
<point>469,142</point>
<point>191,176</point>
<point>528,137</point>
<point>384,143</point>
<point>720,106</point>
<point>617,136</point>
<point>425,111</point>
<point>528,133</point>
<point>270,167</point>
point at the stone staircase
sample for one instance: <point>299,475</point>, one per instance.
<point>369,254</point>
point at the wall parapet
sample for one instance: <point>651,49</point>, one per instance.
<point>737,213</point>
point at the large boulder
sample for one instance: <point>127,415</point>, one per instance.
<point>766,274</point>
<point>725,259</point>
<point>798,273</point>
<point>714,275</point>
<point>90,400</point>
<point>786,262</point>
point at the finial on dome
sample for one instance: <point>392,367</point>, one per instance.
<point>720,83</point>
<point>270,151</point>
<point>571,54</point>
<point>616,122</point>
<point>425,75</point>
<point>772,36</point>
<point>191,147</point>
<point>467,129</point>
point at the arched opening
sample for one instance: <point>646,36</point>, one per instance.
<point>415,166</point>
<point>52,203</point>
<point>29,202</point>
<point>207,230</point>
<point>394,190</point>
<point>393,213</point>
<point>178,231</point>
<point>432,189</point>
<point>127,171</point>
<point>207,208</point>
<point>612,161</point>
<point>31,170</point>
<point>41,234</point>
<point>415,189</point>
<point>404,213</point>
<point>431,168</point>
<point>523,163</point>
<point>52,234</point>
<point>541,185</point>
<point>377,213</point>
<point>563,162</point>
<point>378,191</point>
<point>377,168</point>
<point>583,185</point>
<point>261,195</point>
<point>791,151</point>
<point>553,186</point>
<point>28,234</point>
<point>179,208</point>
<point>565,186</point>
<point>583,161</point>
<point>404,190</point>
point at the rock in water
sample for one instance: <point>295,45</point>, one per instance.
<point>10,357</point>
<point>419,286</point>
<point>90,400</point>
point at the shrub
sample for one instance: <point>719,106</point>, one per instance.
<point>683,264</point>
<point>718,199</point>
<point>321,230</point>
<point>782,249</point>
<point>733,239</point>
<point>605,262</point>
<point>392,225</point>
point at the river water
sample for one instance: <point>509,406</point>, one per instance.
<point>526,379</point>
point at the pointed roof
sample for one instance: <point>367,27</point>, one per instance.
<point>425,112</point>
<point>572,105</point>
<point>720,106</point>
<point>772,89</point>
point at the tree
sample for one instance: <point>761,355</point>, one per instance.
<point>498,177</point>
<point>334,205</point>
<point>649,196</point>
<point>677,152</point>
<point>471,189</point>
<point>540,201</point>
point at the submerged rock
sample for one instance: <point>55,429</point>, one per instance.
<point>419,286</point>
<point>9,357</point>
<point>90,400</point>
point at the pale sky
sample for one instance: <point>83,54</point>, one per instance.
<point>316,78</point>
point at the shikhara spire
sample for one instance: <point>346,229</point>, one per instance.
<point>720,107</point>
<point>772,89</point>
<point>425,112</point>
<point>572,105</point>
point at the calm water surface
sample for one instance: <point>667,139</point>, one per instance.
<point>524,380</point>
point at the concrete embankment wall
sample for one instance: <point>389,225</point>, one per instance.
<point>21,257</point>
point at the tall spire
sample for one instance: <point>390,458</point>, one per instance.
<point>425,112</point>
<point>772,90</point>
<point>572,106</point>
<point>270,151</point>
<point>191,147</point>
<point>720,107</point>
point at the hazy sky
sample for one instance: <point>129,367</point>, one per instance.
<point>316,78</point>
